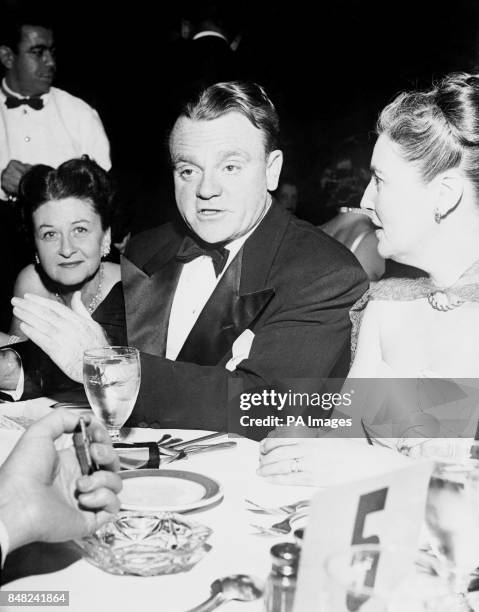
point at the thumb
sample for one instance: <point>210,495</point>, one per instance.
<point>78,307</point>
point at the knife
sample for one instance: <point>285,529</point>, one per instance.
<point>70,405</point>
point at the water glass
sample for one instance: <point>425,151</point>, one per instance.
<point>111,376</point>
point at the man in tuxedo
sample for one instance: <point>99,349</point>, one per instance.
<point>240,296</point>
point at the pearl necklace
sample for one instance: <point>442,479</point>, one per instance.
<point>443,301</point>
<point>96,299</point>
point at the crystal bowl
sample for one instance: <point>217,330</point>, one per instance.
<point>141,544</point>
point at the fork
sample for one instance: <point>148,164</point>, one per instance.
<point>166,440</point>
<point>286,509</point>
<point>282,527</point>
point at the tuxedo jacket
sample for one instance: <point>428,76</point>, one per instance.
<point>290,284</point>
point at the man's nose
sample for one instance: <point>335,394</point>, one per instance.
<point>209,186</point>
<point>49,58</point>
<point>67,248</point>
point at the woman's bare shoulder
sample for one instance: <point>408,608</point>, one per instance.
<point>29,281</point>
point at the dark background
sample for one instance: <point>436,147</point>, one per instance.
<point>328,66</point>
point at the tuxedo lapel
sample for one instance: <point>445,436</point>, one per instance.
<point>260,250</point>
<point>239,298</point>
<point>148,298</point>
<point>225,316</point>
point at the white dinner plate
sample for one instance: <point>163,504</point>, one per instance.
<point>167,490</point>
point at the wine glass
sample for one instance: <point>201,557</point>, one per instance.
<point>111,376</point>
<point>452,519</point>
<point>452,507</point>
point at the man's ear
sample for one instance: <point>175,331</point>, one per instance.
<point>6,56</point>
<point>449,189</point>
<point>274,163</point>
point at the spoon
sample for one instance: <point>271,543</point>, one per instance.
<point>239,587</point>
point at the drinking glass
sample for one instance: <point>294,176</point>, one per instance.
<point>111,376</point>
<point>452,519</point>
<point>376,578</point>
<point>452,507</point>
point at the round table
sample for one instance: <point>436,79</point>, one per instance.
<point>236,547</point>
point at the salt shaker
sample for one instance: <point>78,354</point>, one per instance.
<point>281,584</point>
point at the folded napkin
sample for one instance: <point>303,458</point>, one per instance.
<point>148,452</point>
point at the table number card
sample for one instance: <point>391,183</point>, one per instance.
<point>386,510</point>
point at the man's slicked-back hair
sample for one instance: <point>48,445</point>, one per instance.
<point>12,22</point>
<point>247,98</point>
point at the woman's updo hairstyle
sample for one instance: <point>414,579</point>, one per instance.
<point>437,129</point>
<point>78,178</point>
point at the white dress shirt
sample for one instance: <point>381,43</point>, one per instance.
<point>195,286</point>
<point>64,128</point>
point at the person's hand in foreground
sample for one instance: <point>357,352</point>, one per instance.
<point>64,334</point>
<point>323,461</point>
<point>44,497</point>
<point>12,175</point>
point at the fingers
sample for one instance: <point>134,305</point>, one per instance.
<point>12,174</point>
<point>42,324</point>
<point>99,491</point>
<point>99,480</point>
<point>106,456</point>
<point>269,444</point>
<point>54,424</point>
<point>97,430</point>
<point>282,460</point>
<point>32,320</point>
<point>42,308</point>
<point>101,499</point>
<point>102,449</point>
<point>281,453</point>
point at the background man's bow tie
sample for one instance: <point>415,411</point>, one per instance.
<point>14,102</point>
<point>191,249</point>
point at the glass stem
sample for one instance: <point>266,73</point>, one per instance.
<point>114,433</point>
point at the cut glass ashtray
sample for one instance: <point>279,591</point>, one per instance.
<point>140,544</point>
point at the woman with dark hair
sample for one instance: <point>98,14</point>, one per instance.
<point>424,199</point>
<point>67,212</point>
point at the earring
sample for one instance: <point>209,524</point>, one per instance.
<point>437,216</point>
<point>37,259</point>
<point>105,250</point>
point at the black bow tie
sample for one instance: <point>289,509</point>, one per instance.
<point>14,102</point>
<point>191,249</point>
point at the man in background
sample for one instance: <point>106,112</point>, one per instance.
<point>38,124</point>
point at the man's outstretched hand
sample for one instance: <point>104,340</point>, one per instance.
<point>61,332</point>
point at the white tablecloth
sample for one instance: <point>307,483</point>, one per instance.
<point>236,548</point>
